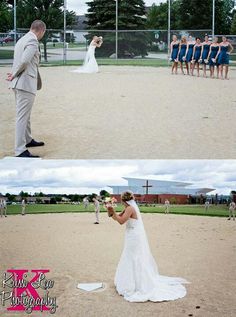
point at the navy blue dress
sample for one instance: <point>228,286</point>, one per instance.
<point>214,51</point>
<point>190,53</point>
<point>197,53</point>
<point>182,52</point>
<point>205,52</point>
<point>175,50</point>
<point>223,58</point>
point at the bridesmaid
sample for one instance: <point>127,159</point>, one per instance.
<point>174,49</point>
<point>182,54</point>
<point>189,54</point>
<point>197,51</point>
<point>225,50</point>
<point>212,57</point>
<point>205,52</point>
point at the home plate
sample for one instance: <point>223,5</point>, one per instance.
<point>18,159</point>
<point>89,287</point>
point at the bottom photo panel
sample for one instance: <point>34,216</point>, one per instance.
<point>117,238</point>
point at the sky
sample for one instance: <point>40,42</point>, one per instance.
<point>90,176</point>
<point>80,7</point>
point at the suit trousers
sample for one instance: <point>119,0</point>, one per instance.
<point>24,103</point>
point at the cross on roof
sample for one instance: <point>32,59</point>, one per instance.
<point>147,186</point>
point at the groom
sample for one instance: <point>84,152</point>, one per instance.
<point>25,81</point>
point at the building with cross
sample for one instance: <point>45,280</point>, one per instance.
<point>157,191</point>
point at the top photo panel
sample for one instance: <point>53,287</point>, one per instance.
<point>118,80</point>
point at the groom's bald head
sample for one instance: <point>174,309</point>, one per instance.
<point>39,28</point>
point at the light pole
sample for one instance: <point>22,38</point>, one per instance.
<point>169,4</point>
<point>116,29</point>
<point>14,22</point>
<point>213,18</point>
<point>64,37</point>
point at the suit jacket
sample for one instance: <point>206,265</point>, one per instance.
<point>25,66</point>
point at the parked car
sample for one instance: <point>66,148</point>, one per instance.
<point>6,39</point>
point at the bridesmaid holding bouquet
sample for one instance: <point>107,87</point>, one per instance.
<point>174,49</point>
<point>205,52</point>
<point>197,51</point>
<point>182,54</point>
<point>225,50</point>
<point>212,57</point>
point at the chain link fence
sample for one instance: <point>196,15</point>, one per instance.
<point>131,44</point>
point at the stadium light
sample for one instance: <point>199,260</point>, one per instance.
<point>213,18</point>
<point>64,37</point>
<point>116,29</point>
<point>14,22</point>
<point>169,4</point>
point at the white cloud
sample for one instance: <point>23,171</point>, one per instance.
<point>86,176</point>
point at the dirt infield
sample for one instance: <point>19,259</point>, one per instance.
<point>126,113</point>
<point>200,249</point>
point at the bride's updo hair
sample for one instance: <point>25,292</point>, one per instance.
<point>126,196</point>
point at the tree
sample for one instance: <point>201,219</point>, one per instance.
<point>58,199</point>
<point>10,197</point>
<point>53,201</point>
<point>131,16</point>
<point>23,194</point>
<point>50,11</point>
<point>233,25</point>
<point>198,15</point>
<point>5,16</point>
<point>104,193</point>
<point>74,197</point>
<point>157,17</point>
<point>40,194</point>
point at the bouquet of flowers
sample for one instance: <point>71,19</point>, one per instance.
<point>200,60</point>
<point>109,204</point>
<point>213,60</point>
<point>184,59</point>
<point>176,60</point>
<point>206,61</point>
<point>193,61</point>
<point>100,39</point>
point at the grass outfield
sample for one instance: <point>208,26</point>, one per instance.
<point>216,211</point>
<point>113,62</point>
<point>6,54</point>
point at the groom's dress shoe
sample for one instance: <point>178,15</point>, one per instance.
<point>34,143</point>
<point>26,153</point>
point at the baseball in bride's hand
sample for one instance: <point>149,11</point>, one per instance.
<point>110,211</point>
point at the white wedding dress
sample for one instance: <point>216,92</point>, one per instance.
<point>137,277</point>
<point>90,64</point>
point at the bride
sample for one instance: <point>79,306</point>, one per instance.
<point>90,64</point>
<point>137,277</point>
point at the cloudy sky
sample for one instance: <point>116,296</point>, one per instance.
<point>80,7</point>
<point>78,176</point>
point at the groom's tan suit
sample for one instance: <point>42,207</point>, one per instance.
<point>26,81</point>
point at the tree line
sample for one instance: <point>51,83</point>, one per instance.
<point>191,14</point>
<point>57,197</point>
<point>132,15</point>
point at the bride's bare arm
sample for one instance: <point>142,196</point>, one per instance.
<point>97,44</point>
<point>123,217</point>
<point>120,214</point>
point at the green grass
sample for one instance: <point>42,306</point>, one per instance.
<point>218,211</point>
<point>113,62</point>
<point>71,45</point>
<point>6,54</point>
